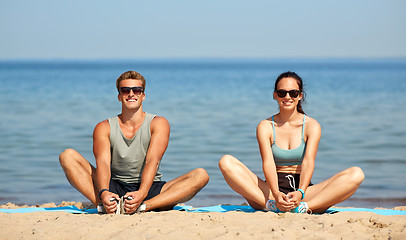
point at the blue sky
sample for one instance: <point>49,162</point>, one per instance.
<point>202,29</point>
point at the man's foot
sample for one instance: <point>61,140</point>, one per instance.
<point>100,208</point>
<point>120,207</point>
<point>141,208</point>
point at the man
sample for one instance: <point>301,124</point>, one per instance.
<point>128,149</point>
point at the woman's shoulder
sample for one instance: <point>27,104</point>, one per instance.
<point>312,123</point>
<point>265,125</point>
<point>266,122</point>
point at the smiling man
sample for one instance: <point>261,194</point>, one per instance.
<point>128,149</point>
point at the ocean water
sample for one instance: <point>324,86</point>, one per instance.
<point>213,107</point>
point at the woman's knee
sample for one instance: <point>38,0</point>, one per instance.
<point>226,162</point>
<point>356,174</point>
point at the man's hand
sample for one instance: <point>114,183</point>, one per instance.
<point>110,205</point>
<point>131,206</point>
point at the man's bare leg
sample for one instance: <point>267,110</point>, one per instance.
<point>179,190</point>
<point>80,174</point>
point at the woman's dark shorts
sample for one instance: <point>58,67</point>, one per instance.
<point>122,188</point>
<point>285,186</point>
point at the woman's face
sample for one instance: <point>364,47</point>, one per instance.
<point>288,94</point>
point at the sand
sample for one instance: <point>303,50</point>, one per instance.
<point>184,225</point>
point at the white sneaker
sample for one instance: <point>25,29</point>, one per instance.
<point>120,206</point>
<point>141,208</point>
<point>271,206</point>
<point>302,208</point>
<point>100,208</point>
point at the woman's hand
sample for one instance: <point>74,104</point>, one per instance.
<point>294,197</point>
<point>283,202</point>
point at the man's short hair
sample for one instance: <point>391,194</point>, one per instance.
<point>130,75</point>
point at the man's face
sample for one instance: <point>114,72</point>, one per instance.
<point>131,93</point>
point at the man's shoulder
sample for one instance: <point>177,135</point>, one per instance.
<point>102,127</point>
<point>159,123</point>
<point>103,123</point>
<point>158,120</point>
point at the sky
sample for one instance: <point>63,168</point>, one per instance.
<point>49,29</point>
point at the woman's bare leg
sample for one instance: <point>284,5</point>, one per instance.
<point>245,182</point>
<point>334,190</point>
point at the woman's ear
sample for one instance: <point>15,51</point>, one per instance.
<point>300,96</point>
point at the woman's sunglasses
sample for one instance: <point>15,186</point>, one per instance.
<point>292,93</point>
<point>127,90</point>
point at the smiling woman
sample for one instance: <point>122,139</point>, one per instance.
<point>288,143</point>
<point>296,92</point>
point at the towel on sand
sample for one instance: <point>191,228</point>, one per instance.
<point>218,208</point>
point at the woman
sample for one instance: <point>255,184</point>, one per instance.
<point>288,143</point>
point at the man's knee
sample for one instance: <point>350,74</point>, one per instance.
<point>201,175</point>
<point>66,156</point>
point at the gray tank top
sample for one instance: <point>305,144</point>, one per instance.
<point>128,155</point>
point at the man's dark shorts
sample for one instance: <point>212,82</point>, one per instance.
<point>121,188</point>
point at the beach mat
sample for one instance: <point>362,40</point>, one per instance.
<point>227,208</point>
<point>218,208</point>
<point>68,209</point>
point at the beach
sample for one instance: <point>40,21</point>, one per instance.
<point>364,130</point>
<point>210,225</point>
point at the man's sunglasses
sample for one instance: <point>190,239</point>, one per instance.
<point>292,93</point>
<point>127,90</point>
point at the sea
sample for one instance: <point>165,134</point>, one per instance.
<point>213,107</point>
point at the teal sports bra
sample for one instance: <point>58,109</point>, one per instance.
<point>290,157</point>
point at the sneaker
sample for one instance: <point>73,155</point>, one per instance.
<point>302,208</point>
<point>100,208</point>
<point>271,206</point>
<point>120,206</point>
<point>141,208</point>
<point>121,209</point>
